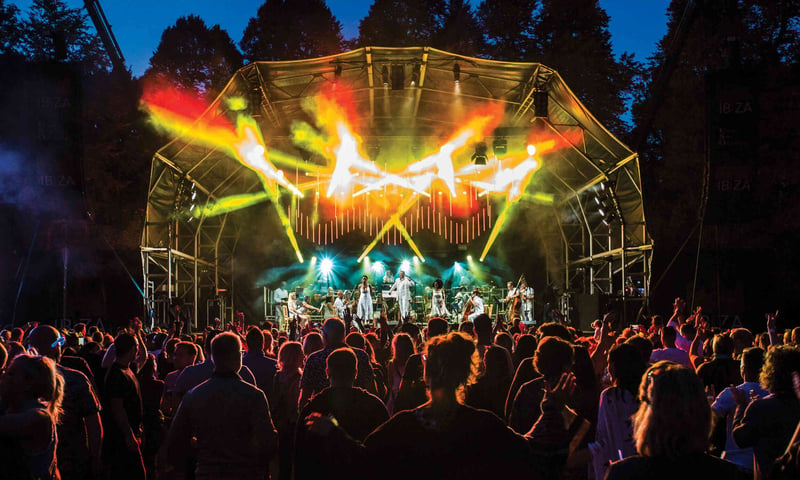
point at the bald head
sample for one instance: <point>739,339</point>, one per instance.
<point>44,339</point>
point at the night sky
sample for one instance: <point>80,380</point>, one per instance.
<point>635,26</point>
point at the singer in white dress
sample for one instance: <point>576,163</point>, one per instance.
<point>364,310</point>
<point>438,303</point>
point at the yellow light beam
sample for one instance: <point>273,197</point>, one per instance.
<point>230,204</point>
<point>287,226</point>
<point>498,225</point>
<point>411,243</point>
<point>394,220</point>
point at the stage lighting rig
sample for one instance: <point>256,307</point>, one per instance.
<point>500,147</point>
<point>456,73</point>
<point>479,157</point>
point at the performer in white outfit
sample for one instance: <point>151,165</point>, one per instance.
<point>438,304</point>
<point>477,305</point>
<point>527,303</point>
<point>339,304</point>
<point>403,286</point>
<point>279,298</point>
<point>364,310</point>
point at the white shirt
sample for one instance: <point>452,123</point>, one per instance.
<point>477,304</point>
<point>403,286</point>
<point>279,295</point>
<point>339,304</point>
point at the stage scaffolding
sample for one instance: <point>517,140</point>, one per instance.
<point>190,259</point>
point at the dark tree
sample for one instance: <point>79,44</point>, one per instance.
<point>54,31</point>
<point>461,32</point>
<point>195,57</point>
<point>578,46</point>
<point>397,23</point>
<point>292,29</point>
<point>10,31</point>
<point>751,46</point>
<point>508,29</point>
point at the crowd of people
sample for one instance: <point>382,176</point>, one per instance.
<point>670,399</point>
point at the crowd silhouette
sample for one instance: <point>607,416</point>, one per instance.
<point>675,399</point>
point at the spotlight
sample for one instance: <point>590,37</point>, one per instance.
<point>457,73</point>
<point>377,267</point>
<point>385,75</point>
<point>326,266</point>
<point>479,157</point>
<point>469,258</point>
<point>313,260</point>
<point>456,267</point>
<point>531,149</point>
<point>415,75</point>
<point>500,147</point>
<point>416,260</point>
<point>405,266</point>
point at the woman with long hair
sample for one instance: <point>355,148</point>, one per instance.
<point>364,308</point>
<point>438,303</point>
<point>402,348</point>
<point>489,392</point>
<point>670,430</point>
<point>33,390</point>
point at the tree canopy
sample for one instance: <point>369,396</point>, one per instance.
<point>195,57</point>
<point>508,31</point>
<point>398,23</point>
<point>10,28</point>
<point>53,31</point>
<point>290,30</point>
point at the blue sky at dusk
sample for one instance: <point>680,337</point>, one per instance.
<point>635,26</point>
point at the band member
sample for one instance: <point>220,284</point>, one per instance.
<point>403,286</point>
<point>388,278</point>
<point>298,309</point>
<point>329,309</point>
<point>364,310</point>
<point>512,292</point>
<point>461,297</point>
<point>339,304</point>
<point>279,298</point>
<point>527,303</point>
<point>477,305</point>
<point>438,306</point>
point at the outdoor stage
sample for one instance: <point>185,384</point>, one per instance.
<point>456,166</point>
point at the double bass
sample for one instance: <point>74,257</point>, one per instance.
<point>515,306</point>
<point>468,308</point>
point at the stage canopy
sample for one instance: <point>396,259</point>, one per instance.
<point>396,145</point>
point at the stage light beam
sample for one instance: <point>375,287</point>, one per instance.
<point>326,267</point>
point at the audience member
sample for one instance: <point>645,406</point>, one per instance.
<point>31,389</point>
<point>355,410</point>
<point>669,352</point>
<point>671,430</point>
<point>314,379</point>
<point>724,407</point>
<point>228,419</point>
<point>122,414</point>
<point>766,424</point>
<point>80,430</point>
